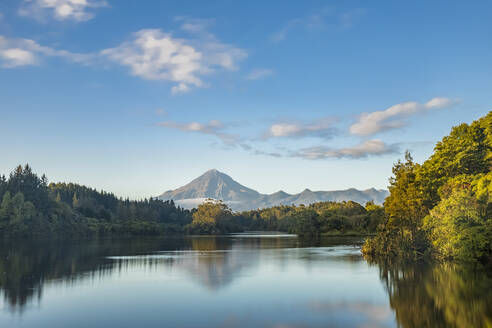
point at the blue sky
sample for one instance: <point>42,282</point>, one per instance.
<point>139,97</point>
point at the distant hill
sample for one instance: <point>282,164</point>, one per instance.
<point>218,185</point>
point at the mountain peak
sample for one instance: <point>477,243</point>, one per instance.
<point>218,185</point>
<point>212,184</point>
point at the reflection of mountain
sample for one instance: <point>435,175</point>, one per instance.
<point>217,185</point>
<point>25,267</point>
<point>215,262</point>
<point>216,268</point>
<point>421,295</point>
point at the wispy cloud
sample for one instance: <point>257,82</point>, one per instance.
<point>365,149</point>
<point>160,112</point>
<point>321,128</point>
<point>155,55</point>
<point>219,130</point>
<point>215,128</point>
<point>327,17</point>
<point>259,73</point>
<point>349,18</point>
<point>394,116</point>
<point>196,25</point>
<point>75,10</point>
<point>24,52</point>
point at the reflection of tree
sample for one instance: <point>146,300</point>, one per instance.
<point>439,295</point>
<point>25,266</point>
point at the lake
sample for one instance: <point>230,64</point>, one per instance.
<point>240,280</point>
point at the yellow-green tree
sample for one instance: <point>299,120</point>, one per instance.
<point>212,217</point>
<point>460,226</point>
<point>451,190</point>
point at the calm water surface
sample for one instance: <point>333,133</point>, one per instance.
<point>243,280</point>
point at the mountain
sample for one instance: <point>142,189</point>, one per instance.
<point>218,185</point>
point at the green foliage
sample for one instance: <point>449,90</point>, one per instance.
<point>322,217</point>
<point>306,222</point>
<point>29,207</point>
<point>442,207</point>
<point>15,213</point>
<point>466,151</point>
<point>213,217</point>
<point>401,235</point>
<point>460,225</point>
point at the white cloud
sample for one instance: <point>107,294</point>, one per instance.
<point>214,127</point>
<point>260,73</point>
<point>14,57</point>
<point>367,148</point>
<point>322,128</point>
<point>284,130</point>
<point>23,52</point>
<point>218,129</point>
<point>77,10</point>
<point>393,117</point>
<point>155,55</point>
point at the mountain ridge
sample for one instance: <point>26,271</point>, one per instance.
<point>218,185</point>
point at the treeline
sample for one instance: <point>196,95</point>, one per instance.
<point>443,207</point>
<point>342,218</point>
<point>31,207</point>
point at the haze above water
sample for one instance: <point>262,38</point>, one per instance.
<point>242,280</point>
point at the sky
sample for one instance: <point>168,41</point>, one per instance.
<point>138,97</point>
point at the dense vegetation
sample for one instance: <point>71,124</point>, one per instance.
<point>323,217</point>
<point>443,207</point>
<point>29,206</point>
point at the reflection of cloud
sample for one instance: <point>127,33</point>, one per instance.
<point>377,314</point>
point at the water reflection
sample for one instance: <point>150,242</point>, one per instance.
<point>239,280</point>
<point>439,295</point>
<point>26,266</point>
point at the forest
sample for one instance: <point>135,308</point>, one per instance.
<point>334,218</point>
<point>441,208</point>
<point>30,206</point>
